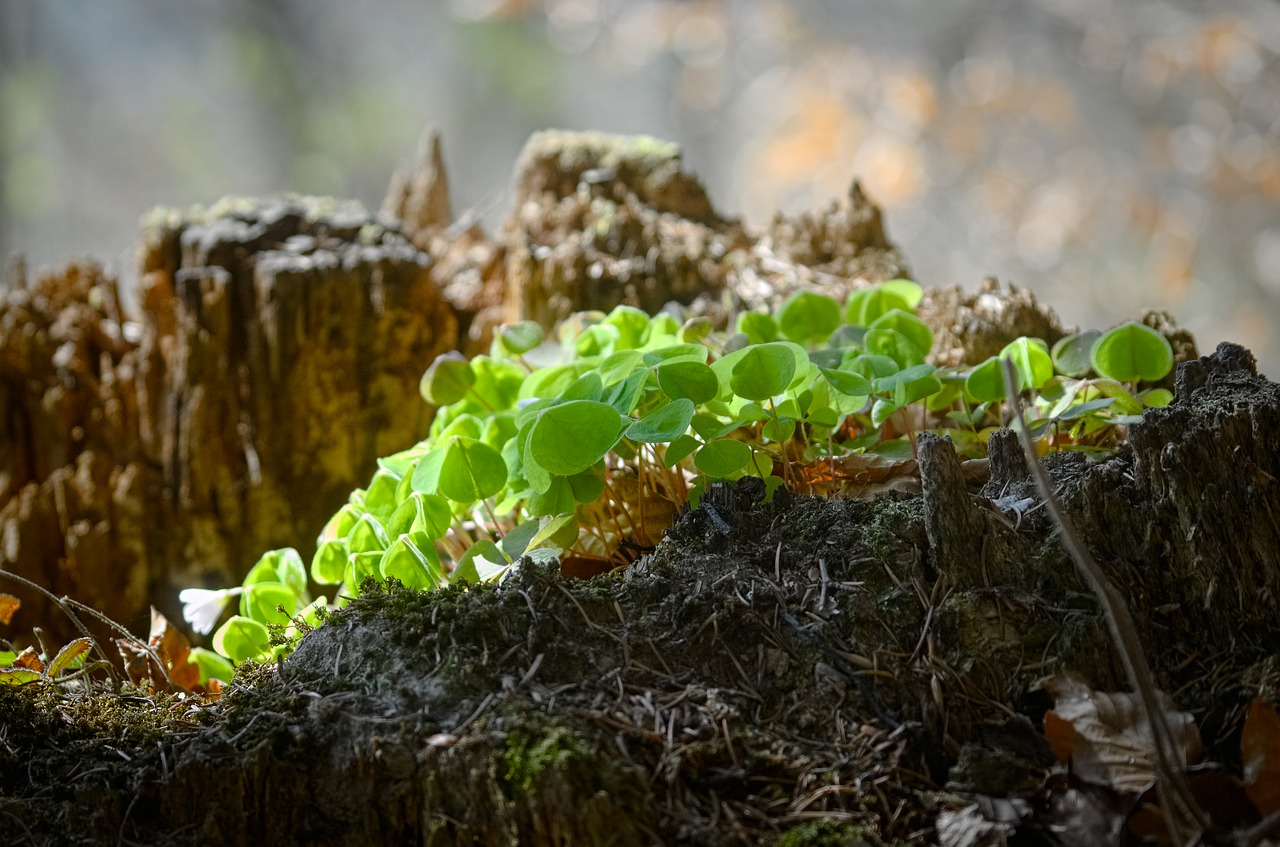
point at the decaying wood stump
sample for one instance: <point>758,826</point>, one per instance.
<point>301,333</point>
<point>599,220</point>
<point>79,490</point>
<point>276,356</point>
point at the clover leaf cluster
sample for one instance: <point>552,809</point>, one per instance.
<point>589,443</point>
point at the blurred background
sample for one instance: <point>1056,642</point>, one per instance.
<point>1111,155</point>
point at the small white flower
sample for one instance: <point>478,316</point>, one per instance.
<point>201,607</point>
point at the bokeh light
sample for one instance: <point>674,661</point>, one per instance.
<point>1111,156</point>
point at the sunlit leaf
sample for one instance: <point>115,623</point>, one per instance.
<point>241,639</point>
<point>211,665</point>
<point>763,371</point>
<point>573,436</point>
<point>329,561</point>
<point>462,469</point>
<point>665,423</point>
<point>413,561</point>
<point>447,380</point>
<point>368,535</point>
<point>1071,355</point>
<point>758,327</point>
<point>694,381</point>
<point>18,676</point>
<point>518,338</point>
<point>722,459</point>
<point>259,601</point>
<point>70,652</point>
<point>1031,362</point>
<point>695,329</point>
<point>807,317</point>
<point>1132,352</point>
<point>558,531</point>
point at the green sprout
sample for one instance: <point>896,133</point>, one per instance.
<point>582,445</point>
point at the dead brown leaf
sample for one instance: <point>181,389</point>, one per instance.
<point>1260,752</point>
<point>29,660</point>
<point>8,605</point>
<point>171,647</point>
<point>1107,739</point>
<point>859,475</point>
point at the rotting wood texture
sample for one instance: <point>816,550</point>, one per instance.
<point>275,356</point>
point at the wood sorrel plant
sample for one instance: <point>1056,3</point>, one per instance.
<point>592,444</point>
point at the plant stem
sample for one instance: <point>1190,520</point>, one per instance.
<point>1174,791</point>
<point>63,604</point>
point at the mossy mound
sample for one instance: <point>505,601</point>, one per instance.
<point>782,672</point>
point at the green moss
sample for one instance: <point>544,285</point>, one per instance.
<point>529,759</point>
<point>598,149</point>
<point>823,834</point>
<point>44,721</point>
<point>313,208</point>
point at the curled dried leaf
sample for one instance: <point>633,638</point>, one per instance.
<point>68,654</point>
<point>1106,737</point>
<point>8,605</point>
<point>29,660</point>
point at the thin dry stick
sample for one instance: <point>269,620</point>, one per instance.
<point>127,636</point>
<point>1124,634</point>
<point>61,603</point>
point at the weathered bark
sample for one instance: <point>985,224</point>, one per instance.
<point>418,196</point>
<point>79,491</point>
<point>845,240</point>
<point>953,523</point>
<point>599,220</point>
<point>276,356</point>
<point>300,336</point>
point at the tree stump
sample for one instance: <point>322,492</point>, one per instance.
<point>276,356</point>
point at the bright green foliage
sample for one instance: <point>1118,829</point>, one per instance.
<point>689,380</point>
<point>241,639</point>
<point>865,305</point>
<point>985,383</point>
<point>212,665</point>
<point>1031,360</point>
<point>763,371</point>
<point>536,460</point>
<point>1132,352</point>
<point>517,339</point>
<point>569,438</point>
<point>723,459</point>
<point>808,318</point>
<point>901,336</point>
<point>461,469</point>
<point>447,380</point>
<point>663,424</point>
<point>758,327</point>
